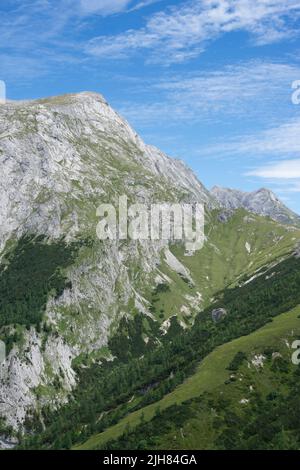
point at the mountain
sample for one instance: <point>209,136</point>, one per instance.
<point>76,144</point>
<point>78,314</point>
<point>263,202</point>
<point>60,158</point>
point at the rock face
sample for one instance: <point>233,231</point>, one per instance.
<point>63,153</point>
<point>262,202</point>
<point>218,313</point>
<point>225,215</point>
<point>60,158</point>
<point>8,443</point>
<point>297,251</point>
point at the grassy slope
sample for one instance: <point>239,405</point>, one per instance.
<point>224,258</point>
<point>211,374</point>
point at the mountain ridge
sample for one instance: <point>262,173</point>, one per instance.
<point>262,201</point>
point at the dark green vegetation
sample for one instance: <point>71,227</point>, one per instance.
<point>237,361</point>
<point>128,340</point>
<point>110,391</point>
<point>267,421</point>
<point>147,435</point>
<point>31,272</point>
<point>271,422</point>
<point>213,392</point>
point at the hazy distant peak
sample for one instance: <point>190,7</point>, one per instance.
<point>262,202</point>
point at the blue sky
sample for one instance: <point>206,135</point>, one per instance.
<point>209,81</point>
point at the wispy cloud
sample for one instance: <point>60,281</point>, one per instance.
<point>182,32</point>
<point>103,7</point>
<point>43,32</point>
<point>144,4</point>
<point>283,176</point>
<point>209,95</point>
<point>173,35</point>
<point>287,169</point>
<point>282,141</point>
<point>294,188</point>
<point>109,7</point>
<point>21,68</point>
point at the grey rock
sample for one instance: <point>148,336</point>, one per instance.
<point>225,215</point>
<point>7,443</point>
<point>262,202</point>
<point>297,251</point>
<point>218,314</point>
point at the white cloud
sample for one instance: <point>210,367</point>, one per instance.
<point>283,176</point>
<point>20,68</point>
<point>281,141</point>
<point>233,87</point>
<point>103,7</point>
<point>143,4</point>
<point>295,188</point>
<point>182,32</point>
<point>287,169</point>
<point>107,7</point>
<point>232,91</point>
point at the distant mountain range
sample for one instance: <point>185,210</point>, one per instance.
<point>263,202</point>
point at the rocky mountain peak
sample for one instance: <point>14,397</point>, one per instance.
<point>267,193</point>
<point>66,153</point>
<point>262,202</point>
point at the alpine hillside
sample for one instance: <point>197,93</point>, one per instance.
<point>98,331</point>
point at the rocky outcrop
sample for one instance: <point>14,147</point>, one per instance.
<point>262,202</point>
<point>218,314</point>
<point>297,251</point>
